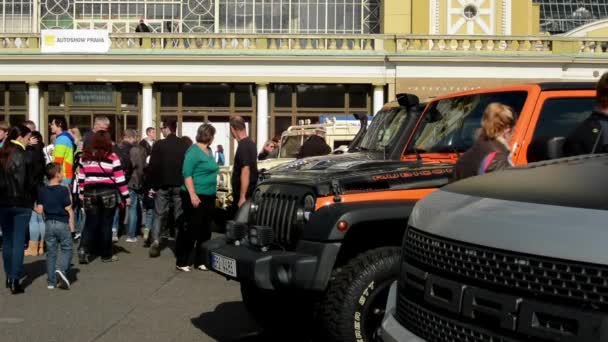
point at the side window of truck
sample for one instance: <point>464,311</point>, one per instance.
<point>456,120</point>
<point>557,119</point>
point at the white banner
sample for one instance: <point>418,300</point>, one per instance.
<point>75,41</point>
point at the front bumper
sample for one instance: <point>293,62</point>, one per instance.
<point>308,267</point>
<point>391,330</point>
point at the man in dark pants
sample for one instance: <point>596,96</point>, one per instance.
<point>591,136</point>
<point>245,171</point>
<point>166,162</point>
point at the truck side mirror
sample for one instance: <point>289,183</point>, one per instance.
<point>555,147</point>
<point>362,118</point>
<point>408,100</point>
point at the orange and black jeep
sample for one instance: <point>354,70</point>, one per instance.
<point>319,241</point>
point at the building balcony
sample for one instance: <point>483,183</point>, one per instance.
<point>330,45</point>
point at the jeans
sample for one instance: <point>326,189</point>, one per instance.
<point>14,222</point>
<point>57,235</point>
<point>116,221</point>
<point>150,218</point>
<point>161,207</point>
<point>196,229</point>
<point>78,215</point>
<point>100,208</point>
<point>37,227</point>
<point>133,212</point>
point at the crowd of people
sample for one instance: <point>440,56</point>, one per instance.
<point>86,188</point>
<point>83,188</point>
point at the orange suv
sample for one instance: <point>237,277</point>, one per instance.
<point>319,242</point>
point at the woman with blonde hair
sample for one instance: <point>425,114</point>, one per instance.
<point>491,150</point>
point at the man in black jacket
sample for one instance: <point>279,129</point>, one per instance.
<point>148,141</point>
<point>166,179</point>
<point>591,136</point>
<point>314,146</point>
<point>142,28</point>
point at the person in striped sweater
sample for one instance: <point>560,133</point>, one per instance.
<point>63,152</point>
<point>100,178</point>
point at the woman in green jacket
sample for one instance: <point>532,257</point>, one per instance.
<point>198,199</point>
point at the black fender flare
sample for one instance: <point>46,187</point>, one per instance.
<point>323,223</point>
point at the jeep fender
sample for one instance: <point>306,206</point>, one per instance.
<point>323,224</point>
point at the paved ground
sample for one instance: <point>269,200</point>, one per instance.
<point>136,298</point>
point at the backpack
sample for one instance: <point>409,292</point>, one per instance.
<point>124,153</point>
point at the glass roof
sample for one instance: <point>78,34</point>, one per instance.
<point>559,16</point>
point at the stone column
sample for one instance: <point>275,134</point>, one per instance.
<point>262,119</point>
<point>378,99</point>
<point>33,112</point>
<point>147,113</point>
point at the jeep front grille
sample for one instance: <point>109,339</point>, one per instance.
<point>566,282</point>
<point>278,211</point>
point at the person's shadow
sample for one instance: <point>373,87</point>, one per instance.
<point>229,322</point>
<point>37,269</point>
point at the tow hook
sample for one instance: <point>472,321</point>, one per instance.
<point>337,190</point>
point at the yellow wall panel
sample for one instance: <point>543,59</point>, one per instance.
<point>397,23</point>
<point>443,22</point>
<point>421,16</point>
<point>535,19</point>
<point>523,17</point>
<point>397,16</point>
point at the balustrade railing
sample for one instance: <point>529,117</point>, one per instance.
<point>242,42</point>
<point>10,41</point>
<point>326,44</point>
<point>475,44</point>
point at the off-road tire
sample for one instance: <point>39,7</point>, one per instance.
<point>279,313</point>
<point>356,296</point>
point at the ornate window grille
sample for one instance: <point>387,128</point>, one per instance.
<point>16,16</point>
<point>209,16</point>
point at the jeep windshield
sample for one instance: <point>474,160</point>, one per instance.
<point>383,131</point>
<point>451,125</point>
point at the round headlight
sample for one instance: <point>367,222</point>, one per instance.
<point>309,203</point>
<point>257,197</point>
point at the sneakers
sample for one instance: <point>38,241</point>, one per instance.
<point>50,287</point>
<point>155,250</point>
<point>131,239</point>
<point>64,283</point>
<point>114,236</point>
<point>112,259</point>
<point>202,268</point>
<point>183,268</point>
<point>146,233</point>
<point>83,257</point>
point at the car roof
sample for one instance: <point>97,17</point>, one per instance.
<point>543,86</point>
<point>567,85</point>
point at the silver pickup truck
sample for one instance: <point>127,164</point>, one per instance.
<point>518,255</point>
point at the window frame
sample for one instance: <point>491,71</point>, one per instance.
<point>521,157</point>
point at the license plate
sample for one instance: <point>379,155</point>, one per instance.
<point>223,264</point>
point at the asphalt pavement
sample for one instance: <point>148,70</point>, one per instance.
<point>133,299</point>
